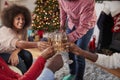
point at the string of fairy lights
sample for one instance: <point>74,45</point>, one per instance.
<point>46,15</point>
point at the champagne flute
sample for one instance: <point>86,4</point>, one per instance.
<point>59,40</point>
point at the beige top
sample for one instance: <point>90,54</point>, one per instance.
<point>8,38</point>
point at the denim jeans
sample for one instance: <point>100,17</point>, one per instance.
<point>25,60</point>
<point>77,68</point>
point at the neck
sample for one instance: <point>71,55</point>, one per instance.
<point>16,30</point>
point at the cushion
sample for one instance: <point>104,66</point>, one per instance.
<point>15,69</point>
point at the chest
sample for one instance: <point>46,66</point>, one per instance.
<point>21,35</point>
<point>71,6</point>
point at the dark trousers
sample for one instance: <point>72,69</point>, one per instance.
<point>25,60</point>
<point>78,66</point>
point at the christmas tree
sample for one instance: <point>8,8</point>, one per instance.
<point>46,15</point>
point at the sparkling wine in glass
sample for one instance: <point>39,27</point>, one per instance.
<point>59,40</point>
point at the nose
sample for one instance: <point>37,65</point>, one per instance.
<point>22,20</point>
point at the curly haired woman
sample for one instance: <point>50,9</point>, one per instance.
<point>15,20</point>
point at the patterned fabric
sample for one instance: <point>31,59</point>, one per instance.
<point>78,14</point>
<point>116,27</point>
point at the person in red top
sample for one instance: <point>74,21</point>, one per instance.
<point>35,70</point>
<point>80,17</point>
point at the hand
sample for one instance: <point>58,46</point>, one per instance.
<point>13,59</point>
<point>43,45</point>
<point>69,38</point>
<point>71,47</point>
<point>48,52</point>
<point>55,63</point>
<point>61,29</point>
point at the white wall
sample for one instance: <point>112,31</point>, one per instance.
<point>28,3</point>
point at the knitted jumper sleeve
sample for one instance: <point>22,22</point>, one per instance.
<point>35,70</point>
<point>112,62</point>
<point>6,73</point>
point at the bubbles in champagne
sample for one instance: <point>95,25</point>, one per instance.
<point>57,40</point>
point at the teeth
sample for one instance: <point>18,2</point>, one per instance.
<point>19,24</point>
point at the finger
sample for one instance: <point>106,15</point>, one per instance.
<point>16,62</point>
<point>42,43</point>
<point>8,60</point>
<point>12,62</point>
<point>44,46</point>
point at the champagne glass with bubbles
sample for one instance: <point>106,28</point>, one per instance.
<point>59,40</point>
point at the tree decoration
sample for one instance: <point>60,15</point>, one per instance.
<point>46,15</point>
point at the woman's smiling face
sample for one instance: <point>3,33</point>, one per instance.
<point>19,22</point>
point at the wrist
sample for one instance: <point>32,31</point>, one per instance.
<point>16,51</point>
<point>38,43</point>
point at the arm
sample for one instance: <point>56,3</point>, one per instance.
<point>35,70</point>
<point>7,73</point>
<point>37,67</point>
<point>87,20</point>
<point>32,73</point>
<point>101,59</point>
<point>13,59</point>
<point>112,62</point>
<point>78,51</point>
<point>63,17</point>
<point>27,44</point>
<point>51,68</point>
<point>91,56</point>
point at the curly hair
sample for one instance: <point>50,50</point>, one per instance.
<point>8,14</point>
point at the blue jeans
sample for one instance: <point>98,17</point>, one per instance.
<point>78,66</point>
<point>25,60</point>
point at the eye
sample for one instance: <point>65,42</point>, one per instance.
<point>18,18</point>
<point>23,19</point>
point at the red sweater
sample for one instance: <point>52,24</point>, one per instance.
<point>35,70</point>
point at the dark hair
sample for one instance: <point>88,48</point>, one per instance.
<point>9,13</point>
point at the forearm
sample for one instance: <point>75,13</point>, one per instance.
<point>78,33</point>
<point>35,70</point>
<point>88,55</point>
<point>26,44</point>
<point>63,17</point>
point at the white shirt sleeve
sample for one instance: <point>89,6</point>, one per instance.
<point>111,62</point>
<point>46,74</point>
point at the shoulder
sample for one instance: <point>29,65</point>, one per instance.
<point>6,31</point>
<point>87,3</point>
